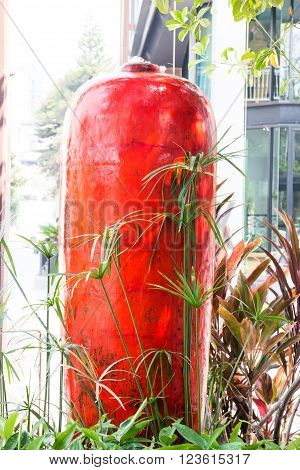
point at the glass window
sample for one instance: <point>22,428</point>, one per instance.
<point>296,179</point>
<point>257,181</point>
<point>280,168</point>
<point>258,39</point>
<point>260,33</point>
<point>135,8</point>
<point>264,196</point>
<point>291,46</point>
<point>285,13</point>
<point>202,79</point>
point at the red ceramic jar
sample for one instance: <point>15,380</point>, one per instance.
<point>121,128</point>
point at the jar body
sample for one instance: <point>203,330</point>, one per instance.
<point>120,130</point>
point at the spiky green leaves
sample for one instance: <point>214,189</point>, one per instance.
<point>188,290</point>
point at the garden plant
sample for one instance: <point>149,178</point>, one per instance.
<point>253,393</point>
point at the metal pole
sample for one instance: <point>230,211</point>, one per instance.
<point>290,176</point>
<point>291,87</point>
<point>273,39</point>
<point>270,186</point>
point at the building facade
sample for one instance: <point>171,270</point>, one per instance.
<point>273,125</point>
<point>263,112</point>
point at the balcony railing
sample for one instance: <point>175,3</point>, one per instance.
<point>259,89</point>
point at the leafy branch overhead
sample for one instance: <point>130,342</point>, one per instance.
<point>196,22</point>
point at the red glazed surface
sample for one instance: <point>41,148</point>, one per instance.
<point>122,128</point>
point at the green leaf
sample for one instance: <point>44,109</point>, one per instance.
<point>182,35</point>
<point>191,436</point>
<point>209,69</point>
<point>173,24</point>
<point>184,14</point>
<point>167,435</point>
<point>276,3</point>
<point>198,49</point>
<point>269,445</point>
<point>23,439</point>
<point>12,442</point>
<point>193,63</point>
<point>17,441</point>
<point>294,445</point>
<point>198,3</point>
<point>262,58</point>
<point>235,432</point>
<point>127,425</point>
<point>213,438</point>
<point>93,436</point>
<point>9,425</point>
<point>64,438</point>
<point>231,322</point>
<point>36,443</point>
<point>204,22</point>
<point>205,41</point>
<point>284,85</point>
<point>10,369</point>
<point>238,445</point>
<point>203,11</point>
<point>2,424</point>
<point>9,255</point>
<point>163,6</point>
<point>178,15</point>
<point>201,46</point>
<point>248,56</point>
<point>225,54</point>
<point>135,430</point>
<point>181,447</point>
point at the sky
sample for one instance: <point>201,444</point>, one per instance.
<point>53,28</point>
<point>42,46</point>
<point>47,32</point>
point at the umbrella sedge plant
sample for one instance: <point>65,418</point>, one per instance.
<point>180,182</point>
<point>109,255</point>
<point>193,294</point>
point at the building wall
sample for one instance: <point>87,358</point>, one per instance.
<point>3,140</point>
<point>227,97</point>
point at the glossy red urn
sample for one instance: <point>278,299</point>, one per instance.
<point>120,129</point>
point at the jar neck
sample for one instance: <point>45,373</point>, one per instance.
<point>140,67</point>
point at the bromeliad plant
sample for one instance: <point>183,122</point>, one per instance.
<point>254,340</point>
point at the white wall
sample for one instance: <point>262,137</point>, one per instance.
<point>228,91</point>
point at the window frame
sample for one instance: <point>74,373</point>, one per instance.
<point>291,128</point>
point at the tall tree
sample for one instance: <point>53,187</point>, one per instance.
<point>49,119</point>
